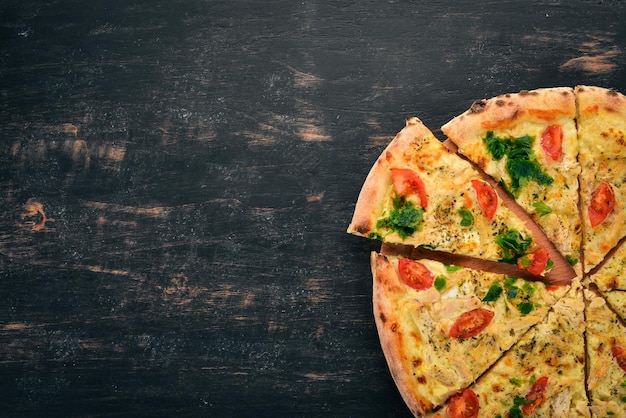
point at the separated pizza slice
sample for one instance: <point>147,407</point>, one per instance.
<point>606,352</point>
<point>602,141</point>
<point>527,141</point>
<point>419,193</point>
<point>441,326</point>
<point>542,375</point>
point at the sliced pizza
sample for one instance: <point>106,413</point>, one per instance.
<point>542,375</point>
<point>616,300</point>
<point>419,193</point>
<point>527,142</point>
<point>611,275</point>
<point>442,326</point>
<point>606,353</point>
<point>602,141</point>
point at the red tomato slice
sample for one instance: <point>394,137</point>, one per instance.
<point>538,261</point>
<point>487,198</point>
<point>602,203</point>
<point>408,182</point>
<point>536,394</point>
<point>415,274</point>
<point>463,405</point>
<point>552,140</point>
<point>619,354</point>
<point>471,323</point>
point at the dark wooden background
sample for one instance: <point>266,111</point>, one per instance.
<point>177,178</point>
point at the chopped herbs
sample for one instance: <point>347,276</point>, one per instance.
<point>525,307</point>
<point>467,219</point>
<point>516,382</point>
<point>521,163</point>
<point>494,292</point>
<point>405,218</point>
<point>516,411</point>
<point>451,268</point>
<point>514,245</point>
<point>440,282</point>
<point>541,208</point>
<point>571,260</point>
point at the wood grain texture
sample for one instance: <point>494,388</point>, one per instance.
<point>177,177</point>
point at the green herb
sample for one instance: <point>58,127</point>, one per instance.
<point>528,288</point>
<point>549,264</point>
<point>516,382</point>
<point>623,399</point>
<point>467,219</point>
<point>405,218</point>
<point>521,163</point>
<point>511,289</point>
<point>516,411</point>
<point>525,307</point>
<point>440,282</point>
<point>451,268</point>
<point>375,235</point>
<point>494,292</point>
<point>524,261</point>
<point>623,384</point>
<point>514,245</point>
<point>571,260</point>
<point>541,208</point>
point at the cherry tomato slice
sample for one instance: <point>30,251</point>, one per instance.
<point>538,261</point>
<point>471,323</point>
<point>487,198</point>
<point>407,182</point>
<point>464,404</point>
<point>536,394</point>
<point>415,274</point>
<point>552,140</point>
<point>602,203</point>
<point>619,354</point>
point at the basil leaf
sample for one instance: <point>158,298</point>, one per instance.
<point>440,282</point>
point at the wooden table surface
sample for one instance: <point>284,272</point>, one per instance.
<point>177,178</point>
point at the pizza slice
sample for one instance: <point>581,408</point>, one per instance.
<point>419,193</point>
<point>602,141</point>
<point>442,326</point>
<point>606,352</point>
<point>542,375</point>
<point>528,142</point>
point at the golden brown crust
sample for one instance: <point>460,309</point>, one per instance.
<point>504,111</point>
<point>375,188</point>
<point>389,326</point>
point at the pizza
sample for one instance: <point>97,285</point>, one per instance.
<point>402,202</point>
<point>500,287</point>
<point>602,141</point>
<point>542,375</point>
<point>606,350</point>
<point>443,326</point>
<point>528,143</point>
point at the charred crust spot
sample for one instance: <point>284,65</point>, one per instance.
<point>611,93</point>
<point>382,317</point>
<point>478,106</point>
<point>394,327</point>
<point>417,362</point>
<point>362,228</point>
<point>421,380</point>
<point>500,102</point>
